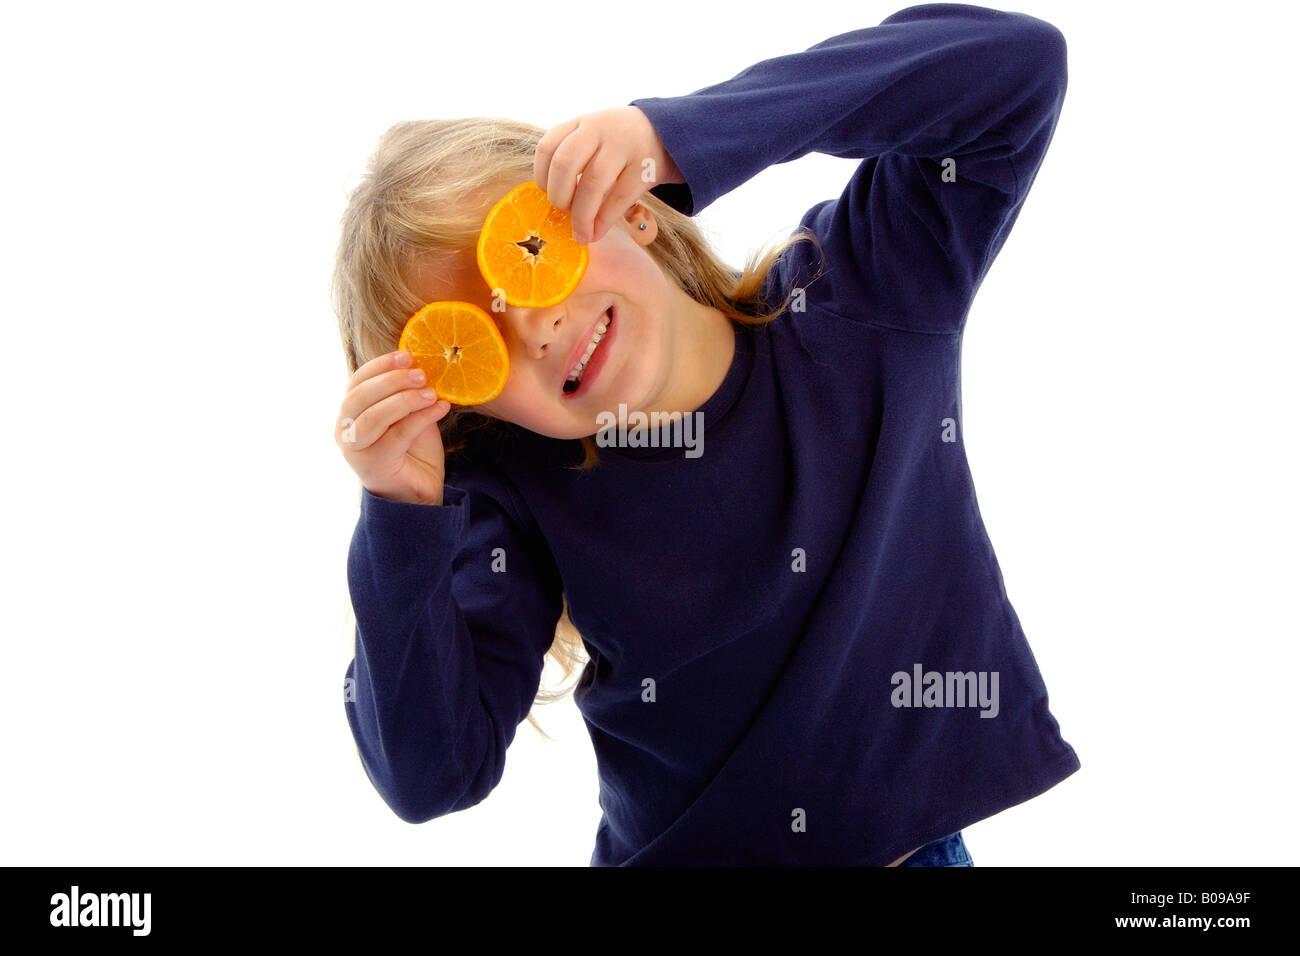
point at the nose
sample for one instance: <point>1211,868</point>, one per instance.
<point>538,328</point>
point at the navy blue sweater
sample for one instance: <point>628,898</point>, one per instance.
<point>802,651</point>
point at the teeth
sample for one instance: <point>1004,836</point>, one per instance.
<point>601,329</point>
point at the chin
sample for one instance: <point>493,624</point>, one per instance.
<point>558,432</point>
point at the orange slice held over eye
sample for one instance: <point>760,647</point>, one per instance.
<point>526,249</point>
<point>460,349</point>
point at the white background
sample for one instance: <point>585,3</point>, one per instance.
<point>178,516</point>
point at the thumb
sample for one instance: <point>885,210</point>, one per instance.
<point>427,444</point>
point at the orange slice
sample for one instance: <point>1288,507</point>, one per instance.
<point>526,249</point>
<point>460,349</point>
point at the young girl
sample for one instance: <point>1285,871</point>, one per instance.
<point>800,650</point>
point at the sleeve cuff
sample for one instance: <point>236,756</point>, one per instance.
<point>404,521</point>
<point>689,197</point>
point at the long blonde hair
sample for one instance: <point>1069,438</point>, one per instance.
<point>426,190</point>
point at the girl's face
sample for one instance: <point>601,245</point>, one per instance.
<point>634,362</point>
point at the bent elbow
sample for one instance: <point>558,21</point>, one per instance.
<point>1040,48</point>
<point>424,793</point>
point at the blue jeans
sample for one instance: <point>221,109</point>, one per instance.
<point>946,851</point>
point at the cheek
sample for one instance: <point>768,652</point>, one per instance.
<point>518,401</point>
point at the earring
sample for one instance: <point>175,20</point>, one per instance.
<point>642,226</point>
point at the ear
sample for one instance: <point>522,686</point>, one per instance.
<point>639,216</point>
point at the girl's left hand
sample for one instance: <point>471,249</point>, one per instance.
<point>598,165</point>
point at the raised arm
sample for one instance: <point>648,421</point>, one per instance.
<point>951,107</point>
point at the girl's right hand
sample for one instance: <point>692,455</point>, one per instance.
<point>388,431</point>
<point>595,167</point>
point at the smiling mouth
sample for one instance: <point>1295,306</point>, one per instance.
<point>575,374</point>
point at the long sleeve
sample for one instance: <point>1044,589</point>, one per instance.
<point>951,107</point>
<point>451,640</point>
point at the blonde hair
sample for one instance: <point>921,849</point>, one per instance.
<point>427,188</point>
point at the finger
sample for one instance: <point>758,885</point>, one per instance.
<point>380,363</point>
<point>627,190</point>
<point>598,179</point>
<point>416,433</point>
<point>567,164</point>
<point>546,147</point>
<point>357,433</point>
<point>374,390</point>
